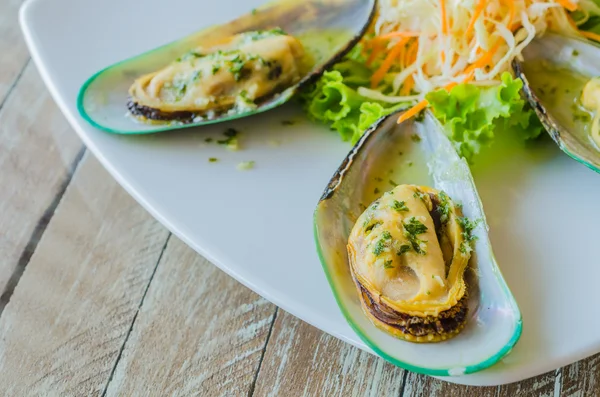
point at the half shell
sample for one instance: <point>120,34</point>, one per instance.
<point>416,153</point>
<point>554,70</point>
<point>325,29</point>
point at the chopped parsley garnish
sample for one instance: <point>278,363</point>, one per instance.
<point>444,208</point>
<point>213,160</point>
<point>467,234</point>
<point>376,191</point>
<point>404,248</point>
<point>421,195</point>
<point>237,67</point>
<point>386,235</point>
<point>216,67</point>
<point>410,163</point>
<point>575,53</point>
<point>411,230</point>
<point>287,122</point>
<point>415,138</point>
<point>197,75</point>
<point>254,11</point>
<point>391,182</point>
<point>388,264</point>
<point>400,206</point>
<point>231,139</point>
<point>375,205</point>
<point>245,165</point>
<point>379,247</point>
<point>378,179</point>
<point>208,140</point>
<point>414,227</point>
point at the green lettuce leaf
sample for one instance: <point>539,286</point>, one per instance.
<point>333,99</point>
<point>471,114</point>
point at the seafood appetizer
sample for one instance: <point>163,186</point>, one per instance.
<point>415,264</point>
<point>408,253</point>
<point>230,76</point>
<point>247,66</point>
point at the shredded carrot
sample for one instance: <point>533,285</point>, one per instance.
<point>567,4</point>
<point>444,17</point>
<point>396,34</point>
<point>387,63</point>
<point>485,59</point>
<point>591,35</point>
<point>511,15</point>
<point>413,111</point>
<point>411,52</point>
<point>376,49</point>
<point>407,86</point>
<point>478,10</point>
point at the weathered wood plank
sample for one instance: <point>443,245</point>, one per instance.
<point>13,50</point>
<point>425,386</point>
<point>199,332</point>
<point>300,360</point>
<point>67,320</point>
<point>544,385</point>
<point>581,378</point>
<point>37,150</point>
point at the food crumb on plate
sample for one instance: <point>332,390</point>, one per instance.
<point>245,165</point>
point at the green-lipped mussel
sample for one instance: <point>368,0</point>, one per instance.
<point>560,82</point>
<point>243,67</point>
<point>414,264</point>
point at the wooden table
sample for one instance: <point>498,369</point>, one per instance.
<point>99,299</point>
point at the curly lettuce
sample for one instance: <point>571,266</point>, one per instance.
<point>334,100</point>
<point>471,114</point>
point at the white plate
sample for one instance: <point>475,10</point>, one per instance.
<point>257,225</point>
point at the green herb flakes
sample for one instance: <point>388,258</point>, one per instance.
<point>379,247</point>
<point>467,234</point>
<point>404,248</point>
<point>388,264</point>
<point>213,160</point>
<point>245,165</point>
<point>400,206</point>
<point>444,207</point>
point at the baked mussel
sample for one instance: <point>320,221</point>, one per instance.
<point>413,262</point>
<point>240,68</point>
<point>408,253</point>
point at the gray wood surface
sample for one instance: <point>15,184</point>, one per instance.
<point>97,298</point>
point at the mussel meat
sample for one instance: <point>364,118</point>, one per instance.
<point>408,253</point>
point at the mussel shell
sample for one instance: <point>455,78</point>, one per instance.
<point>103,99</point>
<point>580,56</point>
<point>493,324</point>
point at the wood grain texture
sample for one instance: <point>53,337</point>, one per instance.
<point>424,386</point>
<point>300,360</point>
<point>67,320</point>
<point>14,53</point>
<point>37,149</point>
<point>199,332</point>
<point>581,378</point>
<point>544,385</point>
